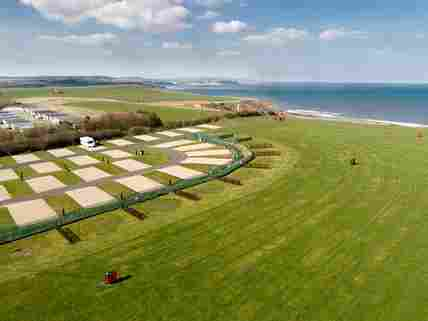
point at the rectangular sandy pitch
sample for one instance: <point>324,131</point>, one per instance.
<point>206,161</point>
<point>191,130</point>
<point>175,143</point>
<point>214,152</point>
<point>45,167</point>
<point>24,213</point>
<point>60,152</point>
<point>131,165</point>
<point>7,175</point>
<point>44,184</point>
<point>169,133</point>
<point>25,158</point>
<point>90,196</point>
<point>140,183</point>
<point>195,147</point>
<point>120,142</point>
<point>4,194</point>
<point>90,174</point>
<point>206,126</point>
<point>116,153</point>
<point>180,172</point>
<point>83,160</point>
<point>146,138</point>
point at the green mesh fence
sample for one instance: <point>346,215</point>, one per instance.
<point>241,156</point>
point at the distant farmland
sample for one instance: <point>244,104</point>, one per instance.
<point>129,93</point>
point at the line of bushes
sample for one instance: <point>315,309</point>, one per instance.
<point>107,126</point>
<point>209,119</point>
<point>58,139</point>
<point>104,127</point>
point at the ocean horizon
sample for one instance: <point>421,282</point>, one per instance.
<point>405,104</point>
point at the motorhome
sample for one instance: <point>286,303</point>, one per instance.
<point>87,142</point>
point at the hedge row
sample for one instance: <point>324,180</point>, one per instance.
<point>101,128</point>
<point>55,140</point>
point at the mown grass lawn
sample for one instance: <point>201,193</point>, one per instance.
<point>17,188</point>
<point>6,161</point>
<point>164,112</point>
<point>314,238</point>
<point>110,168</point>
<point>62,203</point>
<point>116,189</point>
<point>152,156</point>
<point>6,221</point>
<point>67,177</point>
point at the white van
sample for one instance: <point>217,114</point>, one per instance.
<point>87,142</point>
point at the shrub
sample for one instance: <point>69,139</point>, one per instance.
<point>103,134</point>
<point>6,135</point>
<point>122,121</point>
<point>36,132</point>
<point>62,139</point>
<point>13,147</point>
<point>138,130</point>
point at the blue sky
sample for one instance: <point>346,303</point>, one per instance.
<point>298,40</point>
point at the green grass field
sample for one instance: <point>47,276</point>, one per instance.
<point>311,239</point>
<point>129,93</point>
<point>165,113</point>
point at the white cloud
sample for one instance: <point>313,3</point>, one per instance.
<point>209,14</point>
<point>228,53</point>
<point>212,3</point>
<point>233,26</point>
<point>176,45</point>
<point>277,37</point>
<point>95,39</point>
<point>149,15</point>
<point>340,33</point>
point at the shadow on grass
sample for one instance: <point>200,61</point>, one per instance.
<point>122,279</point>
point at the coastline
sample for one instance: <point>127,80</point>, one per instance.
<point>386,105</point>
<point>326,116</point>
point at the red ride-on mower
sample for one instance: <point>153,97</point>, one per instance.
<point>111,277</point>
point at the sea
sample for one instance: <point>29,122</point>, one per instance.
<point>400,104</point>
